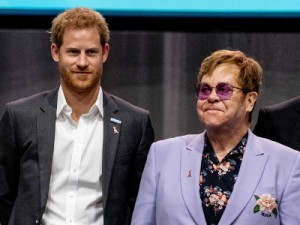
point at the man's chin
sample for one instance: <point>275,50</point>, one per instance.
<point>83,88</point>
<point>212,124</point>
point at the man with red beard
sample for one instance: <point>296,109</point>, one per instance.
<point>73,155</point>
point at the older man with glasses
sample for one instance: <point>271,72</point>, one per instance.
<point>225,175</point>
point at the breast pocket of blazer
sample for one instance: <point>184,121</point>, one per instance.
<point>265,192</point>
<point>266,217</point>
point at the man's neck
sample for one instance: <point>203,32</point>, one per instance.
<point>224,142</point>
<point>81,102</point>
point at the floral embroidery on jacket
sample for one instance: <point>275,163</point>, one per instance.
<point>266,204</point>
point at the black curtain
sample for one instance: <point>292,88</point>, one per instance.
<point>154,69</point>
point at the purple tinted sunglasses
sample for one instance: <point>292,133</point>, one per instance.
<point>223,90</point>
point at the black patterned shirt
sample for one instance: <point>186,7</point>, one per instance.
<point>218,178</point>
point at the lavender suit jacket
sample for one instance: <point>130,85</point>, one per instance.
<point>169,190</point>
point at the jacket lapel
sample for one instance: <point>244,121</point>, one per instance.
<point>251,170</point>
<point>112,130</point>
<point>45,139</point>
<point>189,178</point>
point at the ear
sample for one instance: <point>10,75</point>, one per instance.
<point>105,52</point>
<point>251,98</point>
<point>55,52</point>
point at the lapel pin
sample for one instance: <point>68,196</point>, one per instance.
<point>115,130</point>
<point>190,173</point>
<point>115,120</point>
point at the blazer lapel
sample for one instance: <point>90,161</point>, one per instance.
<point>189,178</point>
<point>112,130</point>
<point>251,170</point>
<point>45,139</point>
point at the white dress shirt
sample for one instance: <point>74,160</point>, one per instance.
<point>75,192</point>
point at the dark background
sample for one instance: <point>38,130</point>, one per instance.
<point>154,61</point>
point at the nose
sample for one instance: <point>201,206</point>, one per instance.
<point>213,97</point>
<point>82,60</point>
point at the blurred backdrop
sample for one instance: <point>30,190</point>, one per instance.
<point>154,61</point>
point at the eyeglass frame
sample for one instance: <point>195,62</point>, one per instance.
<point>221,97</point>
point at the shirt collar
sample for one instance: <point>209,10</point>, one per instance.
<point>62,103</point>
